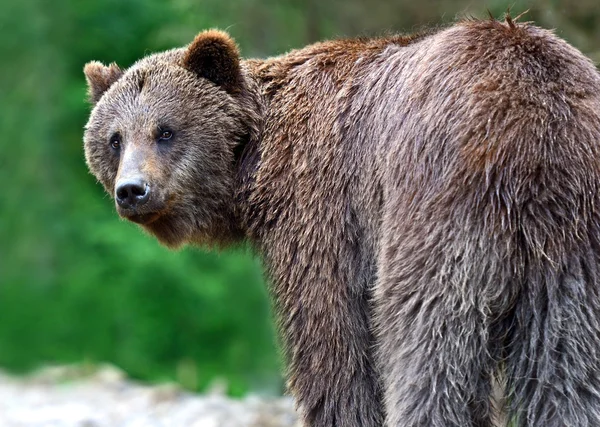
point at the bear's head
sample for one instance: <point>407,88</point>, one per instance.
<point>163,137</point>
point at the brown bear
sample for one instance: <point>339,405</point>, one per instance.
<point>427,208</point>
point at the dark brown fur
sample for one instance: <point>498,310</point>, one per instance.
<point>427,210</point>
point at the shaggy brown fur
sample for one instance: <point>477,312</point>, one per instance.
<point>427,209</point>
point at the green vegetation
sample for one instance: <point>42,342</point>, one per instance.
<point>77,284</point>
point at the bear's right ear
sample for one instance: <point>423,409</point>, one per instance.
<point>214,56</point>
<point>99,78</point>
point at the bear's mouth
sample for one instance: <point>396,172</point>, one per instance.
<point>143,219</point>
<point>147,213</point>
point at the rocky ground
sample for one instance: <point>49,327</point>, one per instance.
<point>64,397</point>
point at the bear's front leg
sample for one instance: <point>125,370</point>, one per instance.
<point>323,315</point>
<point>330,368</point>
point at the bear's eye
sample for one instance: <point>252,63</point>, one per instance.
<point>115,141</point>
<point>165,135</point>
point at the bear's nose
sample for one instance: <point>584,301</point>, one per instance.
<point>132,193</point>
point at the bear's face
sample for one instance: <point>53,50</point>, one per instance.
<point>161,139</point>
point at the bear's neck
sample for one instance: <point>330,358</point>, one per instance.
<point>295,97</point>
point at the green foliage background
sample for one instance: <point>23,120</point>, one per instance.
<point>76,283</point>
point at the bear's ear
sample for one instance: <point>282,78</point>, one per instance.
<point>214,55</point>
<point>99,78</point>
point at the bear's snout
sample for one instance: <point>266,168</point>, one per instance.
<point>132,193</point>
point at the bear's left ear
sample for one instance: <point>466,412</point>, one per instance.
<point>214,55</point>
<point>99,78</point>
